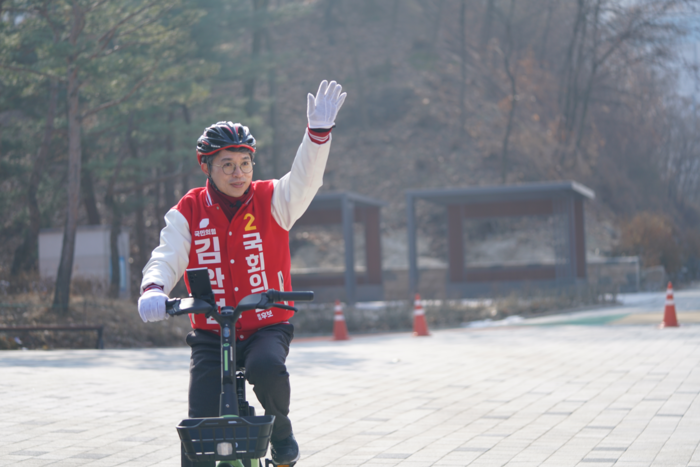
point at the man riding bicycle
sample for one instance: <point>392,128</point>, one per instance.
<point>239,230</point>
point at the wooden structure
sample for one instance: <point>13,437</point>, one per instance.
<point>346,209</point>
<point>564,200</point>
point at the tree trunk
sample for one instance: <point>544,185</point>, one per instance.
<point>568,95</point>
<point>577,64</point>
<point>140,221</point>
<point>361,97</point>
<point>159,211</point>
<point>359,78</point>
<point>591,79</point>
<point>507,59</point>
<point>274,126</point>
<point>435,33</point>
<point>115,229</point>
<point>329,23</point>
<point>545,34</point>
<point>463,67</point>
<point>169,185</point>
<point>117,214</point>
<point>185,179</point>
<point>565,81</point>
<point>272,84</point>
<point>65,268</point>
<point>89,199</point>
<point>486,28</point>
<point>25,258</point>
<point>64,274</point>
<point>258,36</point>
<point>140,231</point>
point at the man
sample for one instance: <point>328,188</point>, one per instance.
<point>239,230</point>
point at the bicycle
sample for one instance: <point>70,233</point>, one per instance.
<point>238,437</point>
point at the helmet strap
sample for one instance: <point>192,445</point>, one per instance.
<point>211,180</point>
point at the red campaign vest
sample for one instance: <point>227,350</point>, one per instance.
<point>248,255</point>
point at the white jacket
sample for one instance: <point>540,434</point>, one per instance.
<point>291,197</point>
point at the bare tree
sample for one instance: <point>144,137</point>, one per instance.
<point>463,65</point>
<point>74,79</point>
<point>510,64</point>
<point>259,9</point>
<point>607,38</point>
<point>679,153</point>
<point>273,112</point>
<point>545,33</point>
<point>487,24</point>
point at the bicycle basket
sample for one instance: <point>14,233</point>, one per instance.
<point>212,439</point>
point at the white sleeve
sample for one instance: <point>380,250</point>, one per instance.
<point>294,192</point>
<point>170,259</point>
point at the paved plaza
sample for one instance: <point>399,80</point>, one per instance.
<point>552,392</point>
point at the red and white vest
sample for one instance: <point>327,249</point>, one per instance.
<point>248,255</point>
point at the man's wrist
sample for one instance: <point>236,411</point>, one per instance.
<point>320,135</point>
<point>152,287</point>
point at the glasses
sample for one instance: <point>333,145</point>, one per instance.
<point>229,168</point>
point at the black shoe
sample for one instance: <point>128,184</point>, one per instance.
<point>286,451</point>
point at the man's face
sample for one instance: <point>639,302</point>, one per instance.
<point>237,182</point>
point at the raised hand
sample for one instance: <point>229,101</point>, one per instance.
<point>322,109</point>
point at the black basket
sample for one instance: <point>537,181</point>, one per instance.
<point>212,439</point>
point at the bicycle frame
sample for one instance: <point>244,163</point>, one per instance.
<point>234,439</point>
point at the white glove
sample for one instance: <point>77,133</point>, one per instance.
<point>152,305</point>
<point>322,109</point>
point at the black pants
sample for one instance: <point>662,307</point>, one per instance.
<point>263,355</point>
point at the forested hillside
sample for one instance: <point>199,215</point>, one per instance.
<point>101,104</point>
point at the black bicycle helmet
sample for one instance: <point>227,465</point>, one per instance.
<point>224,135</point>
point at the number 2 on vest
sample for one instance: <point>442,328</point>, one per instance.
<point>249,226</point>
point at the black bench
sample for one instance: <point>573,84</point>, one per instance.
<point>100,343</point>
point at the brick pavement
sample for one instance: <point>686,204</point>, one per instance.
<point>522,396</point>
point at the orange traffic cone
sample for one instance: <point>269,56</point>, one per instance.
<point>670,320</point>
<point>340,330</point>
<point>420,327</point>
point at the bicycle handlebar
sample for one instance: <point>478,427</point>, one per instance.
<point>277,296</point>
<point>183,306</point>
<point>190,305</point>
